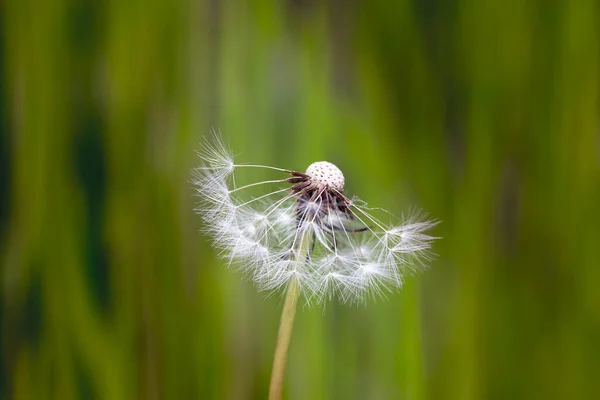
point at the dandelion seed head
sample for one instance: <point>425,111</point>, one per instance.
<point>305,229</point>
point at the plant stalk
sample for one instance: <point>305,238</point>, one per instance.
<point>286,324</point>
<point>284,336</point>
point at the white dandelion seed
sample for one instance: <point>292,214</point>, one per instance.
<point>306,230</point>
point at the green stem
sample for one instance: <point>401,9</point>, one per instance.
<point>286,324</point>
<point>283,340</point>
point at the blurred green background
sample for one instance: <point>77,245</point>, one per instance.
<point>484,113</point>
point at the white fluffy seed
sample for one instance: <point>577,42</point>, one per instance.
<point>324,173</point>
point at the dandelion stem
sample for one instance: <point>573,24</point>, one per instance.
<point>286,325</point>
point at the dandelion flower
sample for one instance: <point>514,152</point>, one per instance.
<point>307,230</point>
<point>304,236</point>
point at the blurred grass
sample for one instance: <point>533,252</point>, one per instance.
<point>483,113</point>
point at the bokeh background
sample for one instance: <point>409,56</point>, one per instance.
<point>484,113</point>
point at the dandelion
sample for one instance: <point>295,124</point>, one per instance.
<point>305,236</point>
